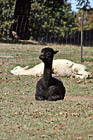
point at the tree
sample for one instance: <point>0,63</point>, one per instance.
<point>52,11</point>
<point>50,22</point>
<point>49,15</point>
<point>6,14</point>
<point>83,3</point>
<point>21,15</point>
<point>87,19</point>
<point>20,22</point>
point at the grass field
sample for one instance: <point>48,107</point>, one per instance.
<point>24,118</point>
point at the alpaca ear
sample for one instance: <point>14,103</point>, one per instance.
<point>55,52</point>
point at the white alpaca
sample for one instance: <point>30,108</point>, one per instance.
<point>61,67</point>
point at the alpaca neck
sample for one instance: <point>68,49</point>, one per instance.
<point>47,71</point>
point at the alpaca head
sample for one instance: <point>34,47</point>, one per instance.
<point>47,55</point>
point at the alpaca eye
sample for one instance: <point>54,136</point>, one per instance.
<point>49,53</point>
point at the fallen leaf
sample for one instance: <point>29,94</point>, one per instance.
<point>0,79</point>
<point>61,124</point>
<point>65,116</point>
<point>75,114</point>
<point>56,114</point>
<point>15,113</point>
<point>79,81</point>
<point>89,81</point>
<point>43,136</point>
<point>0,97</point>
<point>79,138</point>
<point>55,130</point>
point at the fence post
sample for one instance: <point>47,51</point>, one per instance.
<point>82,36</point>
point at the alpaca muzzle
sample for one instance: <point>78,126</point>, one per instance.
<point>41,56</point>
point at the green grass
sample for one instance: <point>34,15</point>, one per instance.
<point>24,118</point>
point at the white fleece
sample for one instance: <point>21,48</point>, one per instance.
<point>61,67</point>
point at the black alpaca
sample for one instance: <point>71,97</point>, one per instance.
<point>48,87</point>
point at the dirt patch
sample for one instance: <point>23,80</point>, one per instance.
<point>78,98</point>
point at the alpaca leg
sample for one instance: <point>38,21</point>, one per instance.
<point>40,98</point>
<point>55,94</point>
<point>55,98</point>
<point>42,95</point>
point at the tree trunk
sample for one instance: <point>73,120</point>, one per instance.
<point>19,28</point>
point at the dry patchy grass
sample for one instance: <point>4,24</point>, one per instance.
<point>24,118</point>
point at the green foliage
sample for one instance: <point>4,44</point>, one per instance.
<point>50,19</point>
<point>7,12</point>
